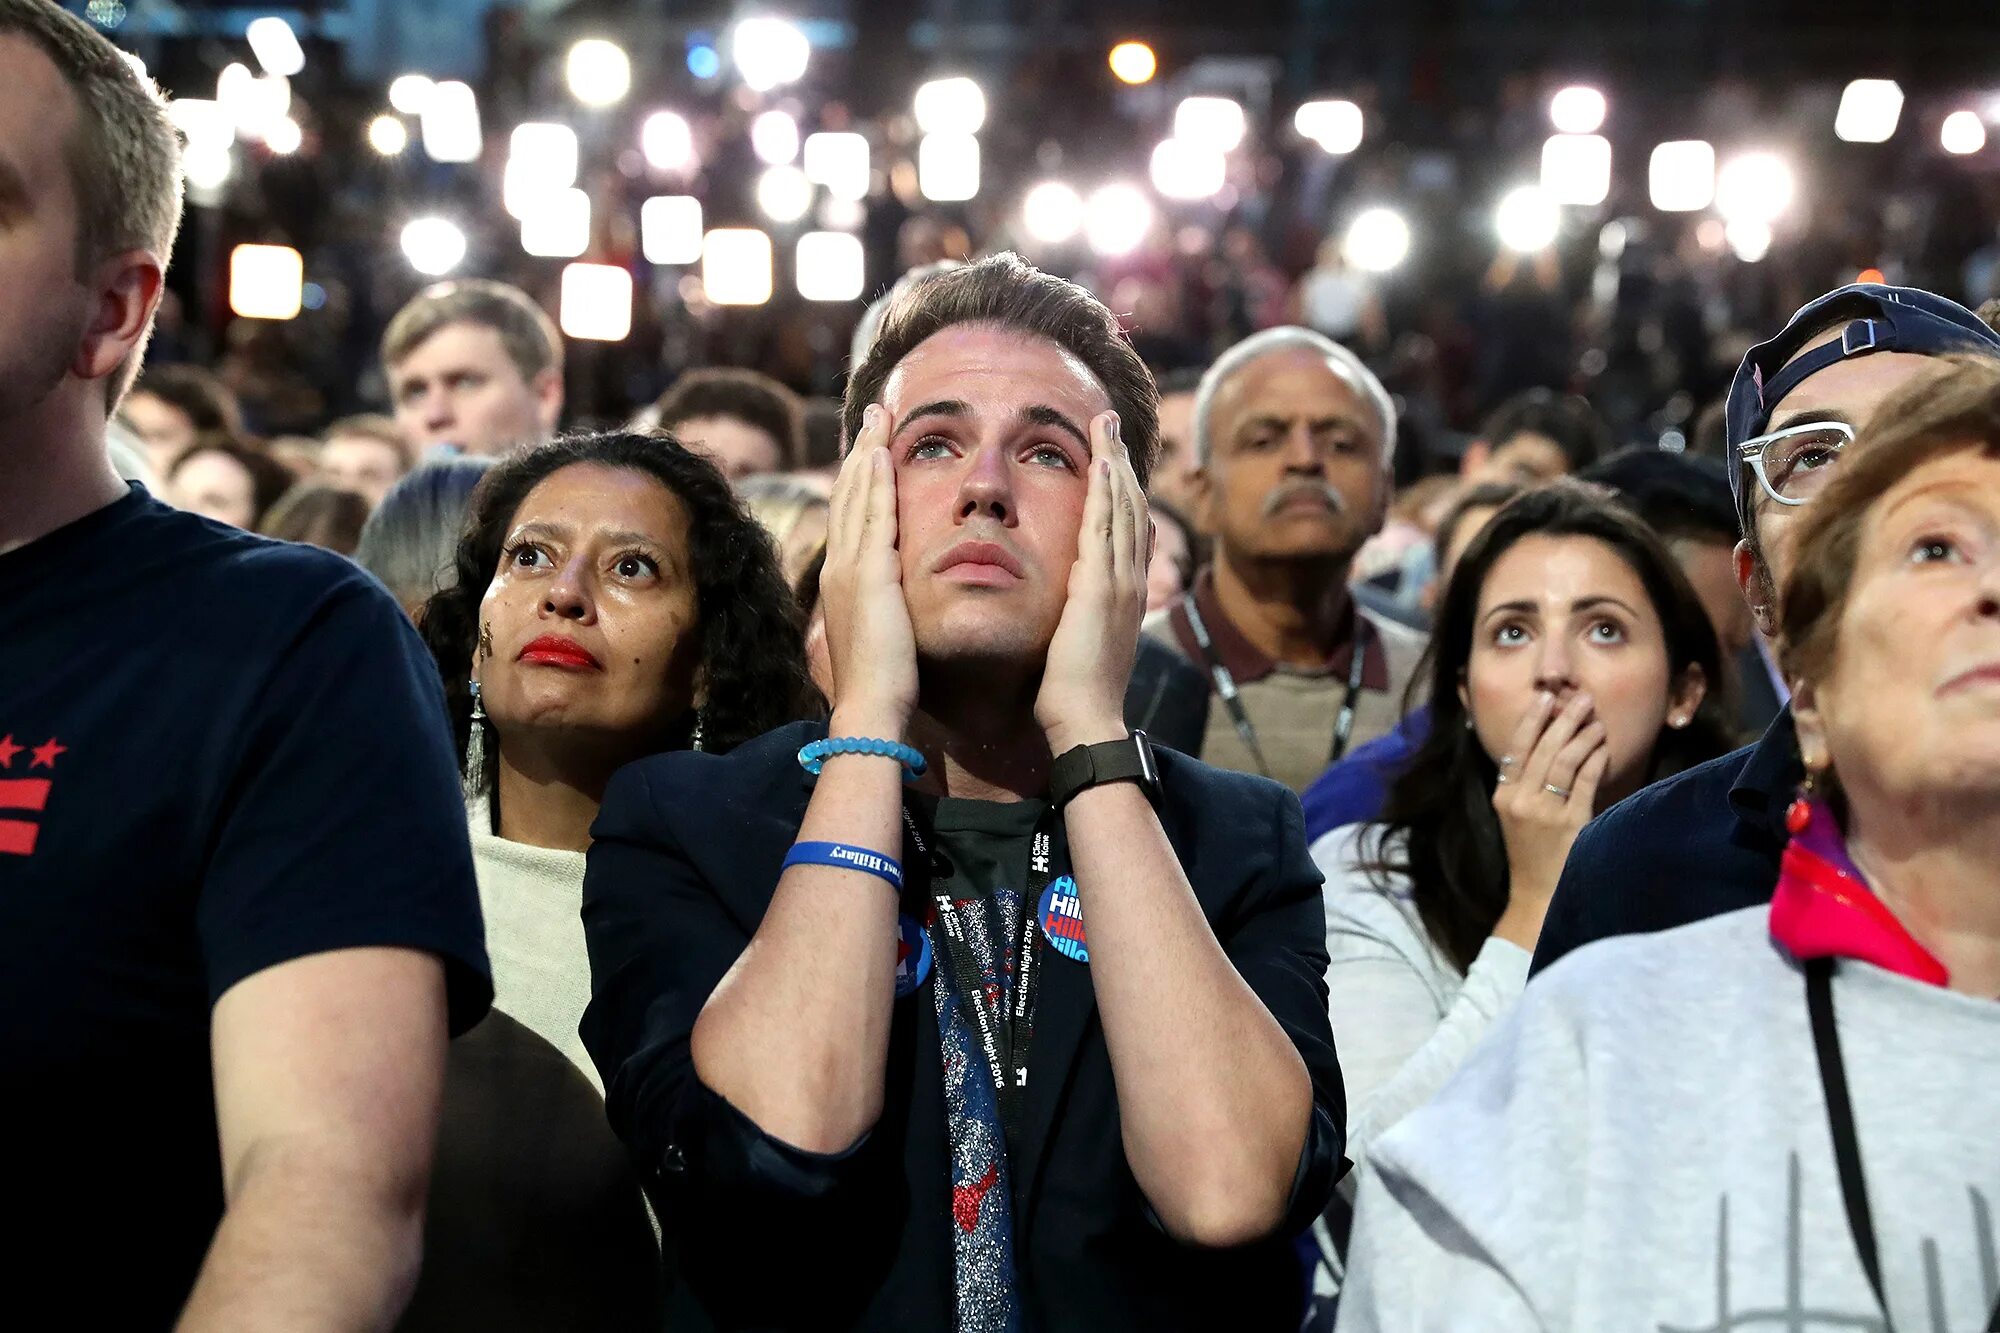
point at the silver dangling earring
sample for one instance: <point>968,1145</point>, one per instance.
<point>475,743</point>
<point>695,742</point>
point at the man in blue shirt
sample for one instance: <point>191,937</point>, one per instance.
<point>1709,840</point>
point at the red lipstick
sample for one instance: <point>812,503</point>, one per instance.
<point>554,650</point>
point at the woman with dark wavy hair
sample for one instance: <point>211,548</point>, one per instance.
<point>610,599</point>
<point>1571,664</point>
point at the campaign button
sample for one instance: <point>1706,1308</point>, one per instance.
<point>913,955</point>
<point>1061,914</point>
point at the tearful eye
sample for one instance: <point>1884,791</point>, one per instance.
<point>1934,550</point>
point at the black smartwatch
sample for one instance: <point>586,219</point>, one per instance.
<point>1086,766</point>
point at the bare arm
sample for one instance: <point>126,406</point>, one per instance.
<point>329,1071</point>
<point>1214,1100</point>
<point>796,1036</point>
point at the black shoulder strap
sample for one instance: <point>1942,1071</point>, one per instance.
<point>1840,1114</point>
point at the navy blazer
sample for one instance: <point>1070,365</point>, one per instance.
<point>1693,846</point>
<point>685,857</point>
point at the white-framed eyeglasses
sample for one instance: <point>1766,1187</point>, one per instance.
<point>1793,464</point>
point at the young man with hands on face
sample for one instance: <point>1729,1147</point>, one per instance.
<point>986,1012</point>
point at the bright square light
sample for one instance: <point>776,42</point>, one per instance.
<point>670,229</point>
<point>950,106</point>
<point>1681,175</point>
<point>266,281</point>
<point>1869,110</point>
<point>1334,125</point>
<point>558,225</point>
<point>1962,133</point>
<point>276,46</point>
<point>451,123</point>
<point>1183,170</point>
<point>948,167</point>
<point>596,302</point>
<point>839,162</point>
<point>829,266</point>
<point>667,141</point>
<point>774,137</point>
<point>1215,121</point>
<point>546,152</point>
<point>1577,110</point>
<point>736,266</point>
<point>1753,187</point>
<point>1576,169</point>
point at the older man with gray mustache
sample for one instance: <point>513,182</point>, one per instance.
<point>1293,436</point>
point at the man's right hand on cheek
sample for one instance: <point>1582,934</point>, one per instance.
<point>870,644</point>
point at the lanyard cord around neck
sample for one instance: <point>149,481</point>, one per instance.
<point>1846,1147</point>
<point>1225,687</point>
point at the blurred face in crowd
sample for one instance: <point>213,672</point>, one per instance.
<point>589,634</point>
<point>460,387</point>
<point>735,446</point>
<point>45,310</point>
<point>1908,713</point>
<point>1173,475</point>
<point>1849,390</point>
<point>1164,584</point>
<point>1526,458</point>
<point>1295,462</point>
<point>215,486</point>
<point>991,448</point>
<point>361,463</point>
<point>166,430</point>
<point>1567,615</point>
<point>1711,567</point>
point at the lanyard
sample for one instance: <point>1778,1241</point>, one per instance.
<point>1840,1112</point>
<point>1225,686</point>
<point>1003,1038</point>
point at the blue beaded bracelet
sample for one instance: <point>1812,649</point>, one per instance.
<point>846,856</point>
<point>814,755</point>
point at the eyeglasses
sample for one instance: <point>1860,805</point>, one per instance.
<point>1792,464</point>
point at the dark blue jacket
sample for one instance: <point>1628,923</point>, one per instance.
<point>686,854</point>
<point>1699,844</point>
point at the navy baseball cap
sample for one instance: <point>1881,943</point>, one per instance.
<point>1878,319</point>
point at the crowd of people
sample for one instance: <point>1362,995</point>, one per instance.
<point>1042,842</point>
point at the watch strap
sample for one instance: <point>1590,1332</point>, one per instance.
<point>1086,766</point>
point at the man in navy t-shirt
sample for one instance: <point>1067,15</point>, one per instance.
<point>237,912</point>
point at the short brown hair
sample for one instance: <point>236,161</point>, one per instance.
<point>317,515</point>
<point>1934,415</point>
<point>756,400</point>
<point>201,396</point>
<point>1006,290</point>
<point>374,426</point>
<point>525,329</point>
<point>125,157</point>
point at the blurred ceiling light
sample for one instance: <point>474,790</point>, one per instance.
<point>839,161</point>
<point>774,136</point>
<point>667,140</point>
<point>950,106</point>
<point>1869,110</point>
<point>1753,187</point>
<point>557,225</point>
<point>266,282</point>
<point>208,166</point>
<point>450,123</point>
<point>736,266</point>
<point>433,245</point>
<point>1052,213</point>
<point>1214,121</point>
<point>836,214</point>
<point>1749,239</point>
<point>1962,133</point>
<point>203,121</point>
<point>253,104</point>
<point>1134,62</point>
<point>670,229</point>
<point>1681,175</point>
<point>388,135</point>
<point>1377,240</point>
<point>1333,124</point>
<point>599,72</point>
<point>1578,109</point>
<point>769,52</point>
<point>410,93</point>
<point>784,194</point>
<point>1526,220</point>
<point>948,167</point>
<point>1576,169</point>
<point>1183,170</point>
<point>546,152</point>
<point>1116,219</point>
<point>283,136</point>
<point>596,302</point>
<point>276,46</point>
<point>829,266</point>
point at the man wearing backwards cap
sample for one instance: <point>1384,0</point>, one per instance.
<point>1709,840</point>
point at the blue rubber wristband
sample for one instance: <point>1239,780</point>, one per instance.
<point>845,856</point>
<point>814,754</point>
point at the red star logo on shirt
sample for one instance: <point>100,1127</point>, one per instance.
<point>45,755</point>
<point>8,750</point>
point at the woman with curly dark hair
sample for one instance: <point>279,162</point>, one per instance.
<point>609,599</point>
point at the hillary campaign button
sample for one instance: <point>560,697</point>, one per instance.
<point>1062,920</point>
<point>913,954</point>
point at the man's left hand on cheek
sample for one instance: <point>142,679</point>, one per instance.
<point>1082,699</point>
